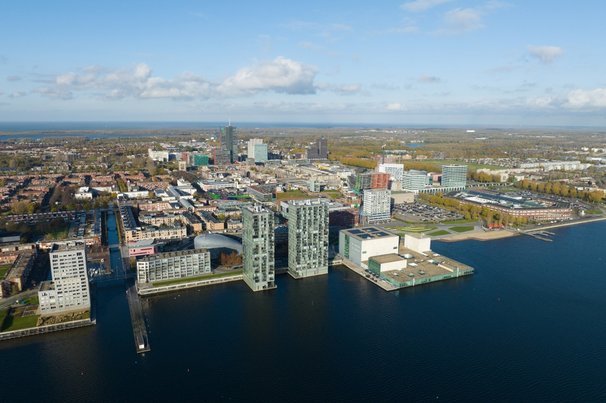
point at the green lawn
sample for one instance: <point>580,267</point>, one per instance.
<point>462,228</point>
<point>292,195</point>
<point>439,233</point>
<point>333,194</point>
<point>4,268</point>
<point>19,322</point>
<point>197,278</point>
<point>594,211</point>
<point>413,228</point>
<point>3,315</point>
<point>461,221</point>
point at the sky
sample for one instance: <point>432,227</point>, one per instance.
<point>533,62</point>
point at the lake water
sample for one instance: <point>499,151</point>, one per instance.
<point>530,325</point>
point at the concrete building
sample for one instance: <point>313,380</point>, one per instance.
<point>383,263</point>
<point>414,180</point>
<point>155,155</point>
<point>260,153</point>
<point>68,290</point>
<point>417,243</point>
<point>229,144</point>
<point>376,206</point>
<point>173,265</point>
<point>307,238</point>
<point>360,244</point>
<point>454,176</point>
<point>251,147</point>
<point>318,150</point>
<point>396,171</point>
<point>258,246</point>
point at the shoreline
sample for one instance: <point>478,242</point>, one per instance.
<point>507,233</point>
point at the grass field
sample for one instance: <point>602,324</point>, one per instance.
<point>413,228</point>
<point>333,194</point>
<point>461,221</point>
<point>439,233</point>
<point>461,229</point>
<point>471,166</point>
<point>197,278</point>
<point>4,268</point>
<point>292,195</point>
<point>19,322</point>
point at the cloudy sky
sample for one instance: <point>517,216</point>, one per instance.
<point>408,62</point>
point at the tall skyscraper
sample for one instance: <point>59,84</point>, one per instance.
<point>454,176</point>
<point>318,150</point>
<point>376,206</point>
<point>68,290</point>
<point>307,238</point>
<point>229,144</point>
<point>258,247</point>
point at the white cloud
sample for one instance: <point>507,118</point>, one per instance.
<point>595,98</point>
<point>429,79</point>
<point>545,54</point>
<point>394,106</point>
<point>280,75</point>
<point>417,6</point>
<point>17,94</point>
<point>462,20</point>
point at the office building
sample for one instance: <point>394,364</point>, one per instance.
<point>307,238</point>
<point>360,244</point>
<point>258,247</point>
<point>376,206</point>
<point>68,290</point>
<point>395,171</point>
<point>173,265</point>
<point>454,176</point>
<point>318,150</point>
<point>229,143</point>
<point>199,160</point>
<point>260,153</point>
<point>414,181</point>
<point>251,147</point>
<point>372,180</point>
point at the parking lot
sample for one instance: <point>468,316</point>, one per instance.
<point>419,212</point>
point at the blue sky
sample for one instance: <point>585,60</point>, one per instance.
<point>396,62</point>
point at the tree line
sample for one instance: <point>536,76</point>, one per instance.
<point>561,189</point>
<point>473,211</point>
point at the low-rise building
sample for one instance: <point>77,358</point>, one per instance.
<point>360,244</point>
<point>173,265</point>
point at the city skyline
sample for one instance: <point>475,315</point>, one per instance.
<point>405,62</point>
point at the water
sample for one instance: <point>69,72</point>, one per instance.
<point>528,326</point>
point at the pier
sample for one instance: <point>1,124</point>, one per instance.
<point>137,320</point>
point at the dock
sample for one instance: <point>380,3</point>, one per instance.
<point>137,320</point>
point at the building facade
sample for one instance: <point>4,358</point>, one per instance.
<point>260,152</point>
<point>360,244</point>
<point>454,176</point>
<point>376,206</point>
<point>318,150</point>
<point>396,171</point>
<point>258,247</point>
<point>414,180</point>
<point>68,290</point>
<point>229,143</point>
<point>307,238</point>
<point>173,265</point>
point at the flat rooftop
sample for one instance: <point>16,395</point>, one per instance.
<point>370,232</point>
<point>425,269</point>
<point>389,258</point>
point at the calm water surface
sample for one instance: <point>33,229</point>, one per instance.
<point>529,326</point>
